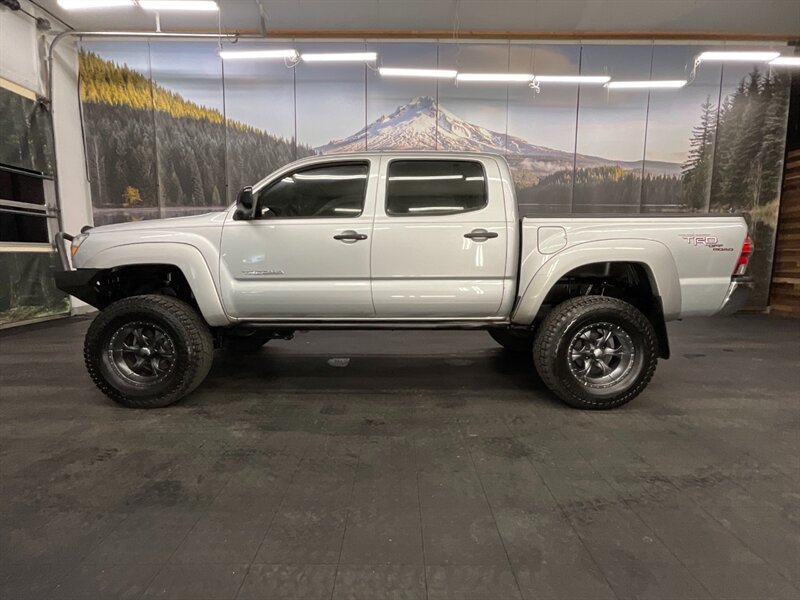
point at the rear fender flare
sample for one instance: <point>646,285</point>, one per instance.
<point>654,256</point>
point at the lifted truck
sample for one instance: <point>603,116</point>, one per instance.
<point>398,240</point>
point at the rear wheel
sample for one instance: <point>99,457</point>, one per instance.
<point>596,352</point>
<point>513,340</point>
<point>148,351</point>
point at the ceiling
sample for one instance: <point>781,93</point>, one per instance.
<point>440,17</point>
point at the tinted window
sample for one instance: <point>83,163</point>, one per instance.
<point>326,191</point>
<point>27,136</point>
<point>21,188</point>
<point>434,187</point>
<point>17,227</point>
<point>22,211</point>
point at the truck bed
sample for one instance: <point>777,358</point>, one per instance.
<point>689,259</point>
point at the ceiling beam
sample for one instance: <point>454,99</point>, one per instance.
<point>386,34</point>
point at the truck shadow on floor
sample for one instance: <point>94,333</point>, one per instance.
<point>489,371</point>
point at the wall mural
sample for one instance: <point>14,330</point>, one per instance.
<point>170,130</point>
<point>26,133</point>
<point>27,289</point>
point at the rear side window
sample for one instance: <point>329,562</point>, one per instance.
<point>316,192</point>
<point>418,188</point>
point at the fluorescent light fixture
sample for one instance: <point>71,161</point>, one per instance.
<point>654,84</point>
<point>200,5</point>
<point>340,57</point>
<point>403,72</point>
<point>786,61</point>
<point>306,176</point>
<point>419,209</point>
<point>424,177</point>
<point>86,4</point>
<point>572,78</point>
<point>739,56</point>
<point>506,77</point>
<point>250,54</point>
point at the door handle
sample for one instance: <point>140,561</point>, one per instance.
<point>480,234</point>
<point>350,236</point>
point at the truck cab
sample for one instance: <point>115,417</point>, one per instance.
<point>375,237</point>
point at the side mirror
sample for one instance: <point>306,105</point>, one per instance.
<point>244,204</point>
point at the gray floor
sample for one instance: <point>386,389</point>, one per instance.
<point>405,465</point>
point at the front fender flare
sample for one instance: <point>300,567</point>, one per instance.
<point>654,256</point>
<point>183,256</point>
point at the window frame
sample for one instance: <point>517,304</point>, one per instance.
<point>440,214</point>
<point>17,206</point>
<point>323,164</point>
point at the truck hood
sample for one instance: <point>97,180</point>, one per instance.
<point>204,220</point>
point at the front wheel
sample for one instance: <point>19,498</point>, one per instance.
<point>148,351</point>
<point>596,352</point>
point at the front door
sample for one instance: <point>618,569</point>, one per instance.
<point>440,239</point>
<point>306,254</point>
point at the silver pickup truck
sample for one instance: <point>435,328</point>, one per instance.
<point>390,241</point>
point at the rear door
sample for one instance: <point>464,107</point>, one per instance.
<point>440,239</point>
<point>306,254</point>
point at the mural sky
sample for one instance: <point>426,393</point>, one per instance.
<point>318,103</point>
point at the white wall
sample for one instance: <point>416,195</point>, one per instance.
<point>73,185</point>
<point>23,56</point>
<point>19,61</point>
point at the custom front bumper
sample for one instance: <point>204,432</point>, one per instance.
<point>737,295</point>
<point>81,283</point>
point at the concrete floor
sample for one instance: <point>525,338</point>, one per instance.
<point>404,465</point>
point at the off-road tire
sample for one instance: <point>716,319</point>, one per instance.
<point>556,331</point>
<point>190,336</point>
<point>513,341</point>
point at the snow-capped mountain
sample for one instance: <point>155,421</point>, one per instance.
<point>422,123</point>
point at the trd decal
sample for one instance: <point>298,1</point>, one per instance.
<point>709,241</point>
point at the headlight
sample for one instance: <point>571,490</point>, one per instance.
<point>76,242</point>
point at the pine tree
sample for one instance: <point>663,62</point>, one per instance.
<point>172,191</point>
<point>197,197</point>
<point>776,100</point>
<point>747,154</point>
<point>216,200</point>
<point>696,173</point>
<point>725,157</point>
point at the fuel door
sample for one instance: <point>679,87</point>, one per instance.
<point>551,239</point>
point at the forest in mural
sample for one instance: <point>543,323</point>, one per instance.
<point>165,137</point>
<point>148,147</point>
<point>738,154</point>
<point>26,133</point>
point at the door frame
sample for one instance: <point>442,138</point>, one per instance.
<point>228,280</point>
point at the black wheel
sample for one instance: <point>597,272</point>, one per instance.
<point>148,351</point>
<point>596,352</point>
<point>246,344</point>
<point>513,340</point>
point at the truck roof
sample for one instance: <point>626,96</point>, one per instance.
<point>375,154</point>
<point>412,153</point>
